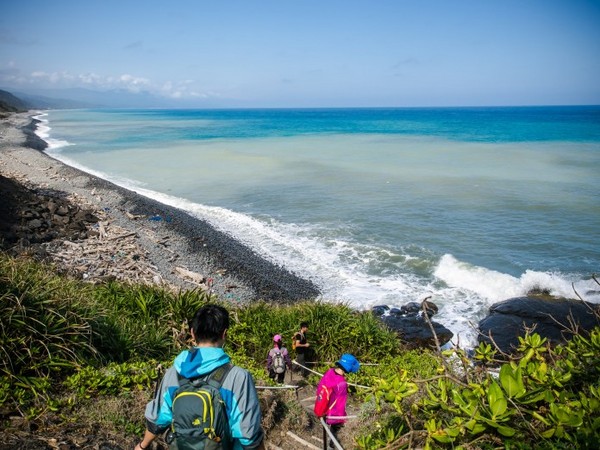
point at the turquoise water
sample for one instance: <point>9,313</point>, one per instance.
<point>468,205</point>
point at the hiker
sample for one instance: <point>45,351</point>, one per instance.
<point>237,423</point>
<point>278,360</point>
<point>300,344</point>
<point>332,393</point>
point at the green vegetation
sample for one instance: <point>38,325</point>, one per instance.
<point>92,354</point>
<point>543,398</point>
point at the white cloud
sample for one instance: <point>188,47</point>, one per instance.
<point>88,80</point>
<point>184,89</point>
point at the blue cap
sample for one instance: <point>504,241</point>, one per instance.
<point>349,363</point>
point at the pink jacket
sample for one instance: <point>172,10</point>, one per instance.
<point>338,394</point>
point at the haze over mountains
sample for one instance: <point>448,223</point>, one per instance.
<point>12,100</point>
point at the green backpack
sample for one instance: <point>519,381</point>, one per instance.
<point>199,414</point>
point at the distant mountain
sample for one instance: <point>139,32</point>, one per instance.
<point>49,102</point>
<point>11,103</point>
<point>86,98</point>
<point>77,98</point>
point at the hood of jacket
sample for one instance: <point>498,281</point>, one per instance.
<point>332,378</point>
<point>200,361</point>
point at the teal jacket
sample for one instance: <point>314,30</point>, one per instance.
<point>237,391</point>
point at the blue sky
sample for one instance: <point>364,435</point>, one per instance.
<point>307,53</point>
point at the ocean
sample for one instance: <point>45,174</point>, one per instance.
<point>468,206</point>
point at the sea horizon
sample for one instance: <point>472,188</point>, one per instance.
<point>468,205</point>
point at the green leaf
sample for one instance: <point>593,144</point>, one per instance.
<point>475,427</point>
<point>548,433</point>
<point>494,393</point>
<point>512,381</point>
<point>506,431</point>
<point>499,407</point>
<point>442,436</point>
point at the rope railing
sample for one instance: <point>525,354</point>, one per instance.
<point>283,386</point>
<point>315,363</point>
<point>326,430</point>
<point>320,374</point>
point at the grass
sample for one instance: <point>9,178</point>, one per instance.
<point>88,355</point>
<point>53,326</point>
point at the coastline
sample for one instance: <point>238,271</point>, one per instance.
<point>172,242</point>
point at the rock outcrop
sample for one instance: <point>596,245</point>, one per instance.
<point>555,319</point>
<point>410,324</point>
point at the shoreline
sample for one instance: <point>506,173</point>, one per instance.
<point>172,241</point>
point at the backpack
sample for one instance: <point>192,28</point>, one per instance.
<point>322,402</point>
<point>199,414</point>
<point>297,337</point>
<point>278,362</point>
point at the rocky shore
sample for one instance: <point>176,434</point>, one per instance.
<point>97,230</point>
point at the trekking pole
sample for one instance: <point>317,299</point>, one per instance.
<point>326,432</point>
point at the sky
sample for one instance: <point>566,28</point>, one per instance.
<point>308,53</point>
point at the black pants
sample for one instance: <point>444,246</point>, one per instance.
<point>301,359</point>
<point>279,376</point>
<point>335,429</point>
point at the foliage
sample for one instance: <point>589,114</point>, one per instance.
<point>99,345</point>
<point>113,379</point>
<point>52,326</point>
<point>44,326</point>
<point>144,321</point>
<point>333,329</point>
<point>544,397</point>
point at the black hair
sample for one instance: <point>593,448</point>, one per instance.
<point>209,323</point>
<point>303,324</point>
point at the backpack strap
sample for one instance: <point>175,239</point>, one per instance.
<point>220,373</point>
<point>216,376</point>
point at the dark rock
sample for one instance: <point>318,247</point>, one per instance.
<point>411,326</point>
<point>507,320</point>
<point>62,210</point>
<point>396,312</point>
<point>60,220</point>
<point>31,138</point>
<point>35,223</point>
<point>380,310</point>
<point>29,214</point>
<point>411,308</point>
<point>52,206</point>
<point>414,330</point>
<point>414,308</point>
<point>431,308</point>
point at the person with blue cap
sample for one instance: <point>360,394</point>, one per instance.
<point>332,393</point>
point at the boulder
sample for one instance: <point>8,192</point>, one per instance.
<point>553,318</point>
<point>410,325</point>
<point>414,331</point>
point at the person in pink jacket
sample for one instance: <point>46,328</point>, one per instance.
<point>332,393</point>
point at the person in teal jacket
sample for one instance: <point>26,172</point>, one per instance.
<point>209,330</point>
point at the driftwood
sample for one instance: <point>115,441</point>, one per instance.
<point>111,254</point>
<point>80,238</point>
<point>191,276</point>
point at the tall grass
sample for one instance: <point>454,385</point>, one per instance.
<point>147,322</point>
<point>44,321</point>
<point>52,325</point>
<point>333,329</point>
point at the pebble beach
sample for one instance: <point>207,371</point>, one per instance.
<point>115,233</point>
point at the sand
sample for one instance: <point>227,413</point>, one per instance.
<point>166,241</point>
